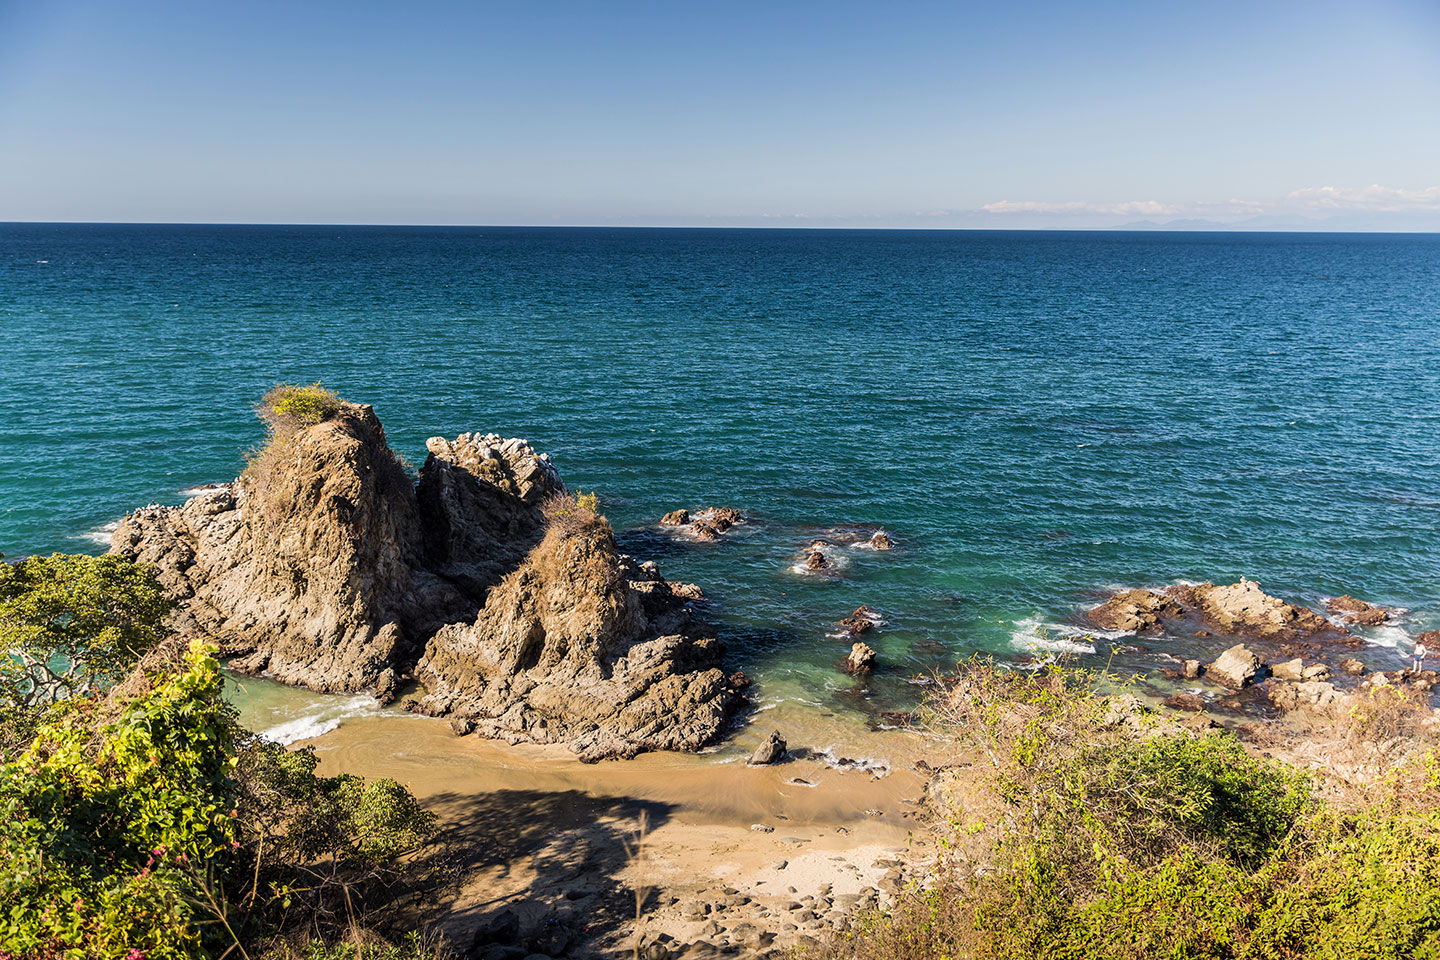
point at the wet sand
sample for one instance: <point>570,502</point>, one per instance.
<point>566,845</point>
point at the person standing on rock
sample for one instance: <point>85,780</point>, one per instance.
<point>1419,655</point>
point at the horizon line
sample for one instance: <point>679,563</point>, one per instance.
<point>1118,228</point>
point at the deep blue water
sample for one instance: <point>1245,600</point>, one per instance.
<point>1032,416</point>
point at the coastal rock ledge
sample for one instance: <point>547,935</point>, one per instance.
<point>324,565</point>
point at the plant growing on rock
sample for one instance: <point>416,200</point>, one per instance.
<point>286,408</point>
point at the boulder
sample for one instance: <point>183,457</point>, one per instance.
<point>1190,669</point>
<point>1235,668</point>
<point>879,540</point>
<point>1312,694</point>
<point>1352,666</point>
<point>1352,610</point>
<point>816,561</point>
<point>675,518</point>
<point>861,659</point>
<point>1134,611</point>
<point>773,750</point>
<point>1289,670</point>
<point>324,565</point>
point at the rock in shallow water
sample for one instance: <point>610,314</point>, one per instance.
<point>773,750</point>
<point>1235,668</point>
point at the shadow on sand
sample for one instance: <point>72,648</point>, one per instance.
<point>540,869</point>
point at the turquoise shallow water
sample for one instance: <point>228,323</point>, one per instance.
<point>1032,416</point>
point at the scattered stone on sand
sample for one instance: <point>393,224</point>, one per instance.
<point>1351,610</point>
<point>330,568</point>
<point>1235,668</point>
<point>773,750</point>
<point>1134,611</point>
<point>861,659</point>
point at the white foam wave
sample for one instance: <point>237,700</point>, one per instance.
<point>1386,635</point>
<point>1036,638</point>
<point>320,721</point>
<point>200,488</point>
<point>101,534</point>
<point>875,766</point>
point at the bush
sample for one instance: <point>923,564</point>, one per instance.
<point>287,408</point>
<point>111,817</point>
<point>1125,836</point>
<point>69,625</point>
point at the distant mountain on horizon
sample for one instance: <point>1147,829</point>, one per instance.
<point>1340,223</point>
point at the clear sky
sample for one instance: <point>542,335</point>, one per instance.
<point>810,114</point>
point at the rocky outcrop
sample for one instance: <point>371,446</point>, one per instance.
<point>1240,610</point>
<point>1351,610</point>
<point>706,525</point>
<point>1244,610</point>
<point>324,565</point>
<point>569,649</point>
<point>1235,668</point>
<point>1134,611</point>
<point>862,619</point>
<point>311,568</point>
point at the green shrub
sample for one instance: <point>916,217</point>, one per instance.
<point>113,815</point>
<point>287,407</point>
<point>69,625</point>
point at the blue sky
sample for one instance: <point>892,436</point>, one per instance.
<point>805,114</point>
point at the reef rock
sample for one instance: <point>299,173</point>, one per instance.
<point>862,619</point>
<point>1134,611</point>
<point>1244,610</point>
<point>1352,610</point>
<point>879,540</point>
<point>324,565</point>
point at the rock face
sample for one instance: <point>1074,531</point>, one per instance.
<point>1235,668</point>
<point>330,569</point>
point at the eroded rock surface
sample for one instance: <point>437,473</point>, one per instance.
<point>1244,610</point>
<point>1134,611</point>
<point>329,568</point>
<point>1352,610</point>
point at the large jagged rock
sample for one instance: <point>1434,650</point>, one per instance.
<point>1235,668</point>
<point>307,569</point>
<point>568,649</point>
<point>325,566</point>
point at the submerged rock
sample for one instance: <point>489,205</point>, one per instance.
<point>816,560</point>
<point>880,541</point>
<point>325,566</point>
<point>862,619</point>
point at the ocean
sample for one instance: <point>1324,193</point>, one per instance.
<point>1033,417</point>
